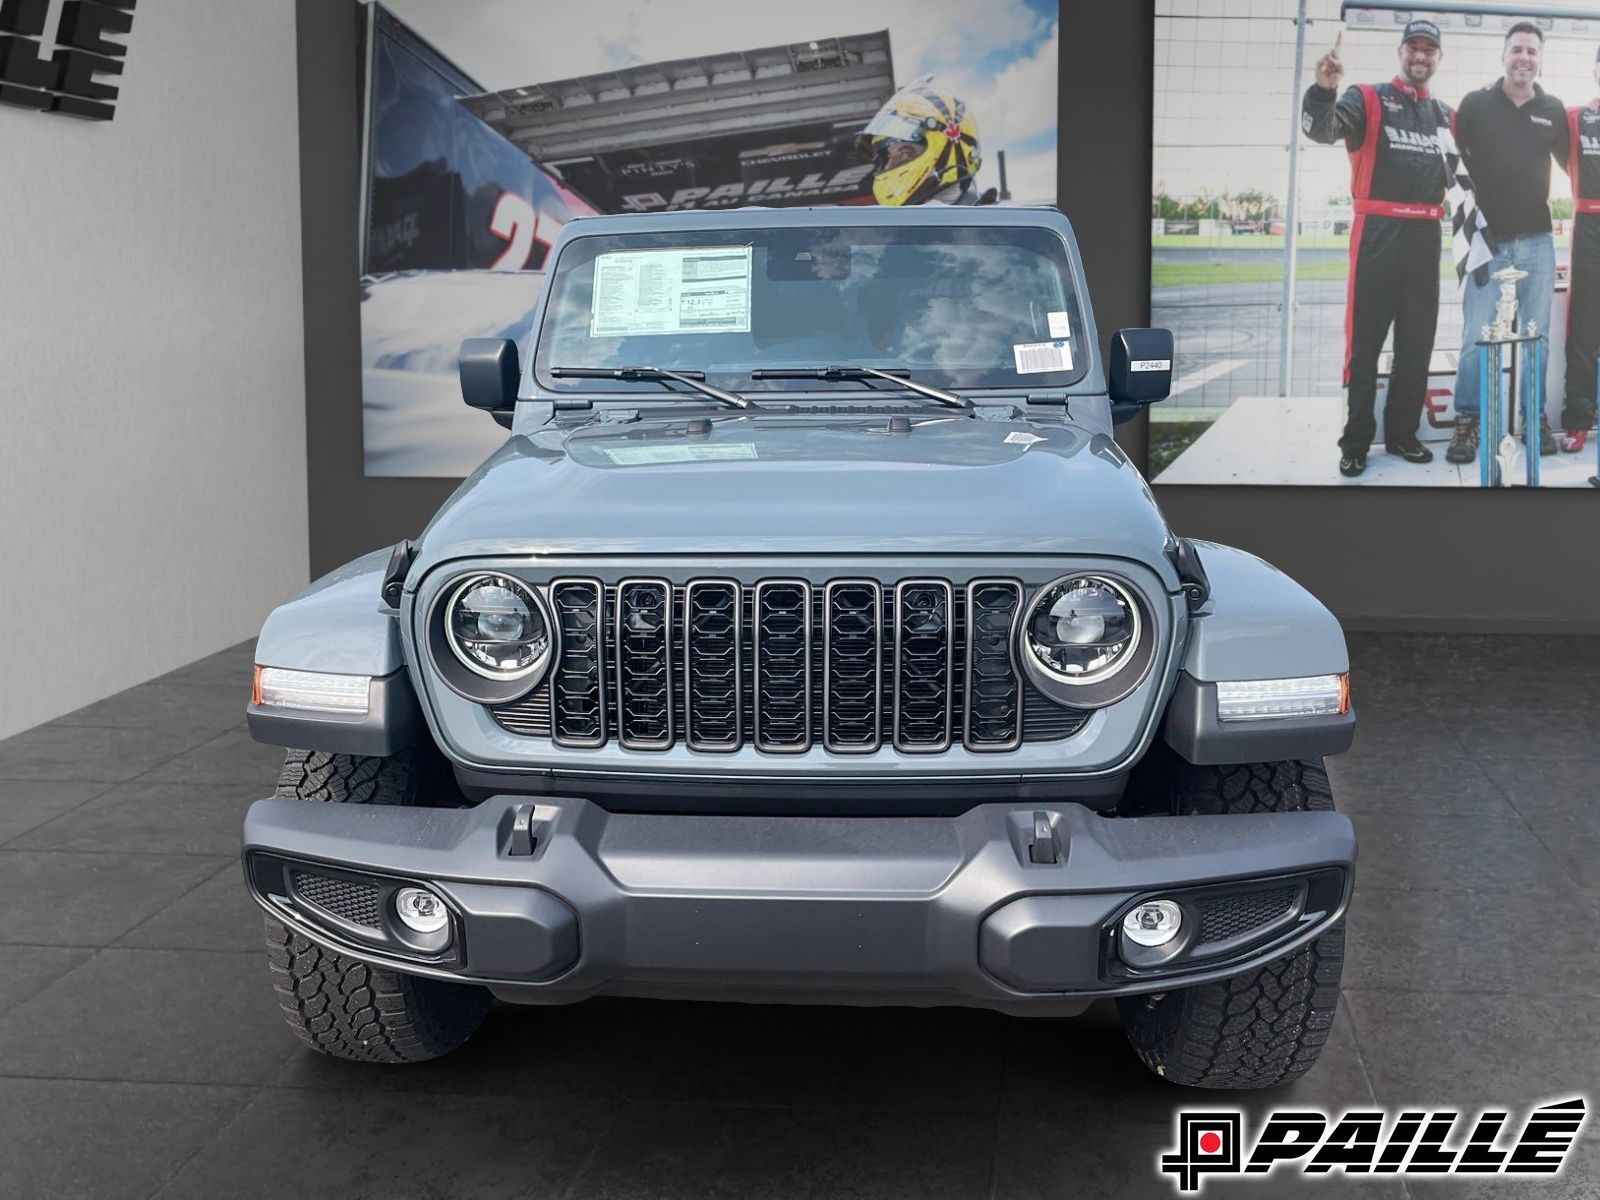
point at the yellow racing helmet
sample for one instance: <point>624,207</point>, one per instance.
<point>921,142</point>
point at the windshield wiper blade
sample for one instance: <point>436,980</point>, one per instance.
<point>694,379</point>
<point>894,375</point>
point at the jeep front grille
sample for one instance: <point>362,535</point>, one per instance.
<point>784,665</point>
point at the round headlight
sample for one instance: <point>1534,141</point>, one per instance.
<point>1082,629</point>
<point>496,626</point>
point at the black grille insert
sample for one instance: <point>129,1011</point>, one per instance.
<point>852,666</point>
<point>994,686</point>
<point>578,685</point>
<point>644,664</point>
<point>714,624</point>
<point>1223,918</point>
<point>346,899</point>
<point>924,656</point>
<point>783,665</point>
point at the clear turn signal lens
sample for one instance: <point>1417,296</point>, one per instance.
<point>1265,699</point>
<point>311,690</point>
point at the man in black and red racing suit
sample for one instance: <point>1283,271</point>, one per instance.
<point>1397,181</point>
<point>1583,280</point>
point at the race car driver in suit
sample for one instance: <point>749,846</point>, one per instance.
<point>1397,181</point>
<point>1583,284</point>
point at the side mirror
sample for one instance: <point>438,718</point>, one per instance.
<point>1139,370</point>
<point>489,375</point>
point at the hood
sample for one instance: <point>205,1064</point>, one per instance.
<point>801,484</point>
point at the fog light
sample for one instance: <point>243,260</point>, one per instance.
<point>421,910</point>
<point>1153,923</point>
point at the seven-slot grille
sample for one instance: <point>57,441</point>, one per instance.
<point>785,665</point>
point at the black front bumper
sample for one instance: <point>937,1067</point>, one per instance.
<point>1007,906</point>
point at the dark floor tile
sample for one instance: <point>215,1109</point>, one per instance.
<point>207,707</point>
<point>89,899</point>
<point>1517,732</point>
<point>1415,734</point>
<point>27,803</point>
<point>28,970</point>
<point>1082,1069</point>
<point>217,915</point>
<point>1449,785</point>
<point>590,1053</point>
<point>1424,1048</point>
<point>233,757</point>
<point>150,816</point>
<point>152,1016</point>
<point>803,1056</point>
<point>75,1140</point>
<point>89,753</point>
<point>1554,789</point>
<point>1501,941</point>
<point>1041,1159</point>
<point>1579,1179</point>
<point>291,1142</point>
<point>1560,801</point>
<point>1453,853</point>
<point>702,1152</point>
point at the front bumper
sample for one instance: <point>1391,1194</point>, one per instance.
<point>1007,906</point>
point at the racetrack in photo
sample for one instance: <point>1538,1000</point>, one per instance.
<point>1225,102</point>
<point>486,134</point>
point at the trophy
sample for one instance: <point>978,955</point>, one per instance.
<point>1498,451</point>
<point>1504,327</point>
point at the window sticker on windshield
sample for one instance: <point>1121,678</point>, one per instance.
<point>703,290</point>
<point>1060,324</point>
<point>648,456</point>
<point>1035,357</point>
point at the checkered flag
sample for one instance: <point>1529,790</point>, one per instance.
<point>1470,240</point>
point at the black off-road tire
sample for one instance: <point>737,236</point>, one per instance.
<point>1267,1027</point>
<point>336,1004</point>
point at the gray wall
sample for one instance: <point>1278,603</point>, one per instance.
<point>152,460</point>
<point>1380,558</point>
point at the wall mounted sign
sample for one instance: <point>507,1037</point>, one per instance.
<point>59,73</point>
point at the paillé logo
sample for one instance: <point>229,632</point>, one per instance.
<point>1416,1143</point>
<point>63,81</point>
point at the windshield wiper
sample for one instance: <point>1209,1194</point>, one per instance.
<point>694,379</point>
<point>894,375</point>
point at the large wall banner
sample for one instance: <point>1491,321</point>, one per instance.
<point>1375,233</point>
<point>488,124</point>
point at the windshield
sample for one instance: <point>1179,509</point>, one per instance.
<point>956,306</point>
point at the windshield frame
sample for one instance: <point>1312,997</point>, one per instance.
<point>539,384</point>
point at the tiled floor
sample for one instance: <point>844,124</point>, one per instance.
<point>141,1053</point>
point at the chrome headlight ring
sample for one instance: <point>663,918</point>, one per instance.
<point>469,673</point>
<point>1110,630</point>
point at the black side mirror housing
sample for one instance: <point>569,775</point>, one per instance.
<point>1139,370</point>
<point>490,373</point>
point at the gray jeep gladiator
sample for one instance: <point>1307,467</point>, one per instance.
<point>809,640</point>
